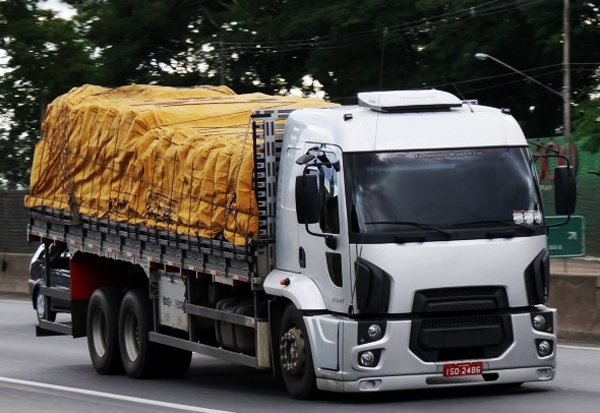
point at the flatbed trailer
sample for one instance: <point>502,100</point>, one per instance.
<point>162,253</point>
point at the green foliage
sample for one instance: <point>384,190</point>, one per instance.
<point>45,59</point>
<point>274,46</point>
<point>587,124</point>
<point>147,41</point>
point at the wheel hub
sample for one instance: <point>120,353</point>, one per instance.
<point>132,337</point>
<point>40,306</point>
<point>291,350</point>
<point>99,333</point>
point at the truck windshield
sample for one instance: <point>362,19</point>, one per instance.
<point>448,190</point>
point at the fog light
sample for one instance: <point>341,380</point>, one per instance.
<point>544,348</point>
<point>539,322</point>
<point>545,374</point>
<point>374,331</point>
<point>367,359</point>
<point>369,385</point>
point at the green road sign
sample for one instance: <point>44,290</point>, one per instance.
<point>567,240</point>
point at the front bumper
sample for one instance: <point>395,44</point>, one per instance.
<point>420,381</point>
<point>336,353</point>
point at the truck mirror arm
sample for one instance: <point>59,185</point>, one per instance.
<point>330,239</point>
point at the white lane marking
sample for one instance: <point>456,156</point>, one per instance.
<point>580,347</point>
<point>112,396</point>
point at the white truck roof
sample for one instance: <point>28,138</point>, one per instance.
<point>407,120</point>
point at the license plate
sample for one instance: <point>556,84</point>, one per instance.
<point>463,369</point>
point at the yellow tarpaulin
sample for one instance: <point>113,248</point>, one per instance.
<point>177,159</point>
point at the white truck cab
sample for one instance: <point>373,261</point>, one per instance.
<point>410,232</point>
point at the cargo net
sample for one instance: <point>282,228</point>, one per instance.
<point>173,159</point>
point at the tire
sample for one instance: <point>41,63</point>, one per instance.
<point>295,355</point>
<point>140,356</point>
<point>103,330</point>
<point>42,307</point>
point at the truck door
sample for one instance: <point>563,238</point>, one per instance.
<point>323,245</point>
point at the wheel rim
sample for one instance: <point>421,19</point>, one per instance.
<point>40,306</point>
<point>291,350</point>
<point>99,333</point>
<point>131,336</point>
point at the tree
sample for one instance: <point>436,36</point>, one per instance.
<point>275,46</point>
<point>152,41</point>
<point>587,124</point>
<point>44,58</point>
<point>353,45</point>
<point>528,36</point>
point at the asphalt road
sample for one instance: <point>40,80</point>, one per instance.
<point>54,374</point>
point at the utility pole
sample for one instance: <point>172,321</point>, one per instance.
<point>566,73</point>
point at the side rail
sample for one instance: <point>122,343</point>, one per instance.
<point>143,246</point>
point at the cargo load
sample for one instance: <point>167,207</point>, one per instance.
<point>176,159</point>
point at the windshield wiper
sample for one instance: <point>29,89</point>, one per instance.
<point>414,224</point>
<point>496,221</point>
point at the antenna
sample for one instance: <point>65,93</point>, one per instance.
<point>458,91</point>
<point>384,35</point>
<point>465,101</point>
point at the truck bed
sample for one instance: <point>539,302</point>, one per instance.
<point>139,244</point>
<point>175,159</point>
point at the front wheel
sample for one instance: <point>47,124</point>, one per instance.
<point>295,356</point>
<point>42,307</point>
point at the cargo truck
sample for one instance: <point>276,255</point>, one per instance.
<point>396,244</point>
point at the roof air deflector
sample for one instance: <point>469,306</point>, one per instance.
<point>408,100</point>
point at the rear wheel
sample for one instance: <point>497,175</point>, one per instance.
<point>141,357</point>
<point>295,356</point>
<point>42,308</point>
<point>103,330</point>
<point>138,354</point>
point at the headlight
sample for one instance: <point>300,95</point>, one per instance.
<point>374,331</point>
<point>539,322</point>
<point>369,331</point>
<point>543,322</point>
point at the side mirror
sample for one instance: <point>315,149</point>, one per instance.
<point>565,190</point>
<point>307,199</point>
